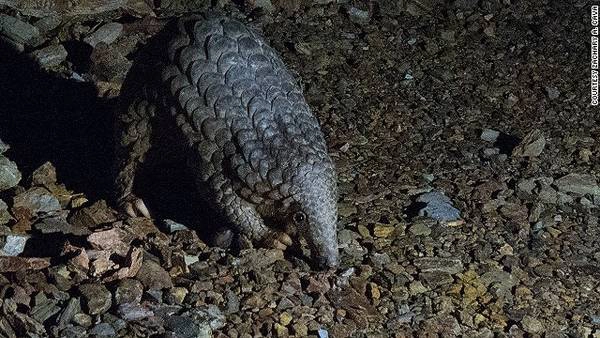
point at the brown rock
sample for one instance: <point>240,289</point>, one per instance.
<point>97,213</point>
<point>153,276</point>
<point>12,264</point>
<point>112,240</point>
<point>44,175</point>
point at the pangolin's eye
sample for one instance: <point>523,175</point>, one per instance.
<point>299,217</point>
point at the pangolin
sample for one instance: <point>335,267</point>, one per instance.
<point>251,142</point>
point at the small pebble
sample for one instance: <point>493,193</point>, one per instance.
<point>489,135</point>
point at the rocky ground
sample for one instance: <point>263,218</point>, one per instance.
<point>468,162</point>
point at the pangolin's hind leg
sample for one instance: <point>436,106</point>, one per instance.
<point>133,132</point>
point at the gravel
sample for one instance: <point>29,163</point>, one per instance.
<point>412,97</point>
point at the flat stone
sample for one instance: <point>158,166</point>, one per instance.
<point>489,135</point>
<point>14,245</point>
<point>173,226</point>
<point>552,92</point>
<point>129,291</point>
<point>74,332</point>
<point>107,33</point>
<point>103,330</point>
<point>531,324</point>
<point>130,312</point>
<point>50,56</point>
<point>153,276</point>
<point>10,175</point>
<point>19,31</point>
<point>96,214</point>
<point>358,16</point>
<point>420,229</point>
<point>439,207</point>
<point>37,200</point>
<point>3,147</point>
<point>448,265</point>
<point>531,146</point>
<point>12,264</point>
<point>73,307</point>
<point>184,327</point>
<point>59,224</point>
<point>578,184</point>
<point>96,297</point>
<point>5,215</point>
<point>82,319</point>
<point>44,175</point>
<point>44,308</point>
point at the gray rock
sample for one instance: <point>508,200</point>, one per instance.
<point>531,324</point>
<point>526,185</point>
<point>265,5</point>
<point>184,327</point>
<point>3,147</point>
<point>547,194</point>
<point>44,308</point>
<point>578,184</point>
<point>5,215</point>
<point>448,265</point>
<point>489,152</point>
<point>73,307</point>
<point>107,34</point>
<point>48,23</point>
<point>489,135</point>
<point>50,56</point>
<point>532,145</point>
<point>466,4</point>
<point>37,200</point>
<point>380,259</point>
<point>173,226</point>
<point>9,174</point>
<point>96,297</point>
<point>14,245</point>
<point>552,92</point>
<point>439,207</point>
<point>129,291</point>
<point>58,223</point>
<point>74,332</point>
<point>19,31</point>
<point>130,312</point>
<point>420,229</point>
<point>82,319</point>
<point>103,330</point>
<point>358,16</point>
<point>44,175</point>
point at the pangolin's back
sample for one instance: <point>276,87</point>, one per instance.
<point>240,109</point>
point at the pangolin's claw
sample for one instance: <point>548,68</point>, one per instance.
<point>141,207</point>
<point>285,239</point>
<point>135,207</point>
<point>279,240</point>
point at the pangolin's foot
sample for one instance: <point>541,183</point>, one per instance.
<point>278,240</point>
<point>134,207</point>
<point>223,238</point>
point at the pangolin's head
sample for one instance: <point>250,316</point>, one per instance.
<point>313,212</point>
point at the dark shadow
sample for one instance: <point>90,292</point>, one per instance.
<point>47,118</point>
<point>506,143</point>
<point>413,209</point>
